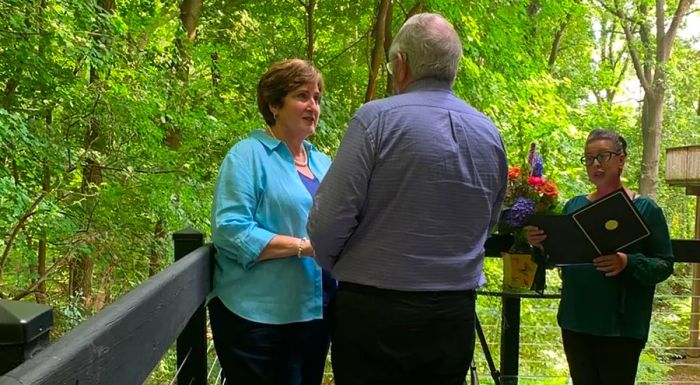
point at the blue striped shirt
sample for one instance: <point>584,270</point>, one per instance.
<point>414,191</point>
<point>259,194</point>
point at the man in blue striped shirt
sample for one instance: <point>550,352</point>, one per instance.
<point>402,216</point>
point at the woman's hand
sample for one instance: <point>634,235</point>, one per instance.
<point>535,236</point>
<point>611,264</point>
<point>307,248</point>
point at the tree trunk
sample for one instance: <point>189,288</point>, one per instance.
<point>650,62</point>
<point>80,277</point>
<point>419,7</point>
<point>189,14</point>
<point>159,234</point>
<point>215,71</point>
<point>103,293</point>
<point>310,38</point>
<point>652,126</point>
<point>40,293</point>
<point>377,57</point>
<point>9,93</point>
<point>388,39</point>
<point>556,43</point>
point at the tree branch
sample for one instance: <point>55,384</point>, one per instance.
<point>15,231</point>
<point>635,59</point>
<point>557,41</point>
<point>31,289</point>
<point>140,171</point>
<point>670,35</point>
<point>341,53</point>
<point>634,54</point>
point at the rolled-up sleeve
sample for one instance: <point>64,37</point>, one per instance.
<point>235,232</point>
<point>341,196</point>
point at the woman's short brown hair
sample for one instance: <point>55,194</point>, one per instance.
<point>283,77</point>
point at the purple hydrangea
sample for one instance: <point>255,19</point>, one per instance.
<point>516,215</point>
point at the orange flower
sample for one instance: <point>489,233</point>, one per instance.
<point>513,173</point>
<point>549,189</point>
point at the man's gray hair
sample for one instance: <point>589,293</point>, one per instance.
<point>431,47</point>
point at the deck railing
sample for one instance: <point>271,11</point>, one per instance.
<point>124,342</point>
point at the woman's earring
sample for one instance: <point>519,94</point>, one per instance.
<point>275,115</point>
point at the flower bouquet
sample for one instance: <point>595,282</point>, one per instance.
<point>528,193</point>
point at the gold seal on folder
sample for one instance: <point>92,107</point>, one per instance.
<point>611,224</point>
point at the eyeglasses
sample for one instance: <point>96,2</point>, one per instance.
<point>389,67</point>
<point>390,64</point>
<point>601,157</point>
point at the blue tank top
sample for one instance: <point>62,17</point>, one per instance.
<point>329,284</point>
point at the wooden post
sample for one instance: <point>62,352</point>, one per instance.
<point>694,344</point>
<point>24,332</point>
<point>192,342</point>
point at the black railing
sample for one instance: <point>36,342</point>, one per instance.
<point>684,251</point>
<point>124,342</point>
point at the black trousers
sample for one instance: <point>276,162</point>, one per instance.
<point>385,337</point>
<point>252,353</point>
<point>596,360</point>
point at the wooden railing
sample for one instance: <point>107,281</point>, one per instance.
<point>122,343</point>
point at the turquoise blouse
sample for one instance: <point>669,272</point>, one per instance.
<point>259,194</point>
<point>618,306</point>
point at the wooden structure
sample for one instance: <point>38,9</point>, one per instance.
<point>24,331</point>
<point>124,341</point>
<point>683,169</point>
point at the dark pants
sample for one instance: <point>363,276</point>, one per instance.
<point>596,360</point>
<point>252,353</point>
<point>385,337</point>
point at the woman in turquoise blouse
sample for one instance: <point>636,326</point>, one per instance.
<point>605,307</point>
<point>267,302</point>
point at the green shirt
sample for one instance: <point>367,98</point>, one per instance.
<point>621,305</point>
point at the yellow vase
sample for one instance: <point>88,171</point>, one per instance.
<point>518,270</point>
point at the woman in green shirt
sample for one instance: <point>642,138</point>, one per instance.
<point>605,306</point>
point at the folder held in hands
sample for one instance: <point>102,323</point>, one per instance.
<point>602,227</point>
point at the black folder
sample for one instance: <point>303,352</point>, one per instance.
<point>603,227</point>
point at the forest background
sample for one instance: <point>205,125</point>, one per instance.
<point>115,115</point>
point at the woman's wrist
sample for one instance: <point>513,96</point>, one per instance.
<point>301,245</point>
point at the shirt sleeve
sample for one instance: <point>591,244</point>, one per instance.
<point>341,196</point>
<point>234,229</point>
<point>655,263</point>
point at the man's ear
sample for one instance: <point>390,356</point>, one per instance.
<point>403,72</point>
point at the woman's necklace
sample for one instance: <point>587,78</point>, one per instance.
<point>303,149</point>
